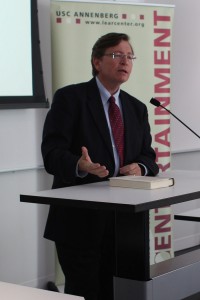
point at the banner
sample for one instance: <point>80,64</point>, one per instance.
<point>75,28</point>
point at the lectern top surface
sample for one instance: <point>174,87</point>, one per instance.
<point>101,195</point>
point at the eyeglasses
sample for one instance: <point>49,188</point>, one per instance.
<point>120,56</point>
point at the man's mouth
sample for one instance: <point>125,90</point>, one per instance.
<point>123,71</point>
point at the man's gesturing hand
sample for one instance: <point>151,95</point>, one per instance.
<point>86,165</point>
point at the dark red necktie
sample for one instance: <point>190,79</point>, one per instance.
<point>117,127</point>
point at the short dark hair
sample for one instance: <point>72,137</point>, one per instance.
<point>103,43</point>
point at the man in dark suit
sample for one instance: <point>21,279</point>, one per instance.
<point>79,147</point>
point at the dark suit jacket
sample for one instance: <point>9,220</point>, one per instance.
<point>77,119</point>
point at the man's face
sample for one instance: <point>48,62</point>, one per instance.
<point>113,71</point>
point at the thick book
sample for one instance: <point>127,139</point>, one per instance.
<point>141,182</point>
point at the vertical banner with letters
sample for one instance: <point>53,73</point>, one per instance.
<point>75,28</point>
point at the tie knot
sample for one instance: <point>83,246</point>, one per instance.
<point>112,99</point>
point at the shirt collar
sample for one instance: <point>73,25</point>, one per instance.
<point>105,95</point>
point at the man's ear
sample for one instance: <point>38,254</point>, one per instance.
<point>97,63</point>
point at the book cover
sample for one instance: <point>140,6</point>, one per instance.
<point>141,182</point>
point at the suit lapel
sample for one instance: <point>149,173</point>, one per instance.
<point>97,113</point>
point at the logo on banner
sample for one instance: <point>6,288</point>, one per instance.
<point>99,18</point>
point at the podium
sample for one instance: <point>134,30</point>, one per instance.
<point>135,278</point>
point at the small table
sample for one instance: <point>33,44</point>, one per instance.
<point>9,291</point>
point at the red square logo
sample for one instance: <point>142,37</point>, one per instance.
<point>78,21</point>
<point>124,16</point>
<point>58,20</point>
<point>141,17</point>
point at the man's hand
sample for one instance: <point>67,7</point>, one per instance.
<point>86,165</point>
<point>132,169</point>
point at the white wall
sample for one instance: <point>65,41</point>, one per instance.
<point>186,234</point>
<point>25,257</point>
